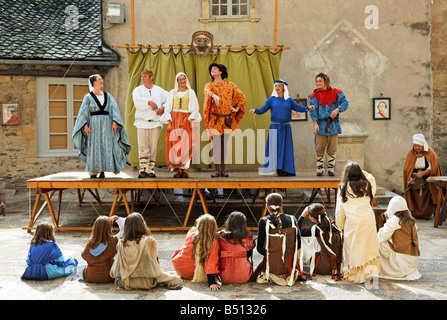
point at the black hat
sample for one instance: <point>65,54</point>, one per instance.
<point>222,69</point>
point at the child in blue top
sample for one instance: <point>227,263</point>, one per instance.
<point>45,259</point>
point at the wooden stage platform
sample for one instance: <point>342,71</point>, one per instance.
<point>127,189</point>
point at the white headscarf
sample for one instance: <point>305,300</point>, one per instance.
<point>419,139</point>
<point>397,203</point>
<point>286,90</point>
<point>176,80</point>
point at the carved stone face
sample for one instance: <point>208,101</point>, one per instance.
<point>202,43</point>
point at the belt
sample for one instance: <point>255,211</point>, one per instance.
<point>228,120</point>
<point>329,120</point>
<point>280,122</point>
<point>97,113</point>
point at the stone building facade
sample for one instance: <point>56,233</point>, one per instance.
<point>394,49</point>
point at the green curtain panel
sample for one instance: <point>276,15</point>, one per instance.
<point>253,72</point>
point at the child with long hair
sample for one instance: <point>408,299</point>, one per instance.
<point>279,242</point>
<point>198,259</point>
<point>100,250</point>
<point>355,216</point>
<point>236,245</point>
<point>274,203</point>
<point>398,243</point>
<point>45,259</point>
<point>136,263</point>
<point>328,260</point>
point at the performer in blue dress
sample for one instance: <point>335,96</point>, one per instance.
<point>99,132</point>
<point>279,148</point>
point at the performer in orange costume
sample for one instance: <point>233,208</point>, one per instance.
<point>223,108</point>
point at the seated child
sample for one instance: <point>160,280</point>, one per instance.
<point>330,239</point>
<point>100,250</point>
<point>236,245</point>
<point>136,263</point>
<point>398,243</point>
<point>198,259</point>
<point>45,259</point>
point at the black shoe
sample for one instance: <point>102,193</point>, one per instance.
<point>224,174</point>
<point>319,174</point>
<point>143,174</point>
<point>216,174</point>
<point>93,176</point>
<point>331,173</point>
<point>178,174</point>
<point>102,175</point>
<point>152,175</point>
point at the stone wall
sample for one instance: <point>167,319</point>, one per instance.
<point>365,55</point>
<point>439,67</point>
<point>18,146</point>
<point>394,59</point>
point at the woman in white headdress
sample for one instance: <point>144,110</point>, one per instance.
<point>421,162</point>
<point>279,155</point>
<point>99,132</point>
<point>182,117</point>
<point>398,243</point>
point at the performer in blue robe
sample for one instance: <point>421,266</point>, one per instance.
<point>45,259</point>
<point>279,155</point>
<point>99,132</point>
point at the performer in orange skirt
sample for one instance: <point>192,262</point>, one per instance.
<point>182,117</point>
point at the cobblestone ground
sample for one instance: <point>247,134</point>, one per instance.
<point>15,243</point>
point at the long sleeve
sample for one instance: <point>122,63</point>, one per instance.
<point>140,101</point>
<point>211,266</point>
<point>305,232</point>
<point>166,116</point>
<point>239,101</point>
<point>386,232</point>
<point>79,137</point>
<point>260,241</point>
<point>194,107</point>
<point>340,217</point>
<point>120,223</point>
<point>297,107</point>
<point>371,180</point>
<point>312,101</point>
<point>342,102</point>
<point>267,105</point>
<point>207,101</point>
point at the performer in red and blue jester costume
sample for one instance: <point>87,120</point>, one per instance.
<point>328,102</point>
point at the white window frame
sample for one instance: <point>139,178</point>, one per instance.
<point>43,117</point>
<point>229,14</point>
<point>207,16</point>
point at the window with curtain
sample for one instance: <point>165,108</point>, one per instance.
<point>58,103</point>
<point>230,8</point>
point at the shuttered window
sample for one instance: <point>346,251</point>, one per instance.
<point>58,103</point>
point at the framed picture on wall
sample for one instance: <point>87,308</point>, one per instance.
<point>300,116</point>
<point>381,108</point>
<point>10,114</point>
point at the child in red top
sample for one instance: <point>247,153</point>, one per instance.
<point>236,245</point>
<point>198,259</point>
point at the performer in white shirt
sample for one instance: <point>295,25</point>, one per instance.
<point>149,101</point>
